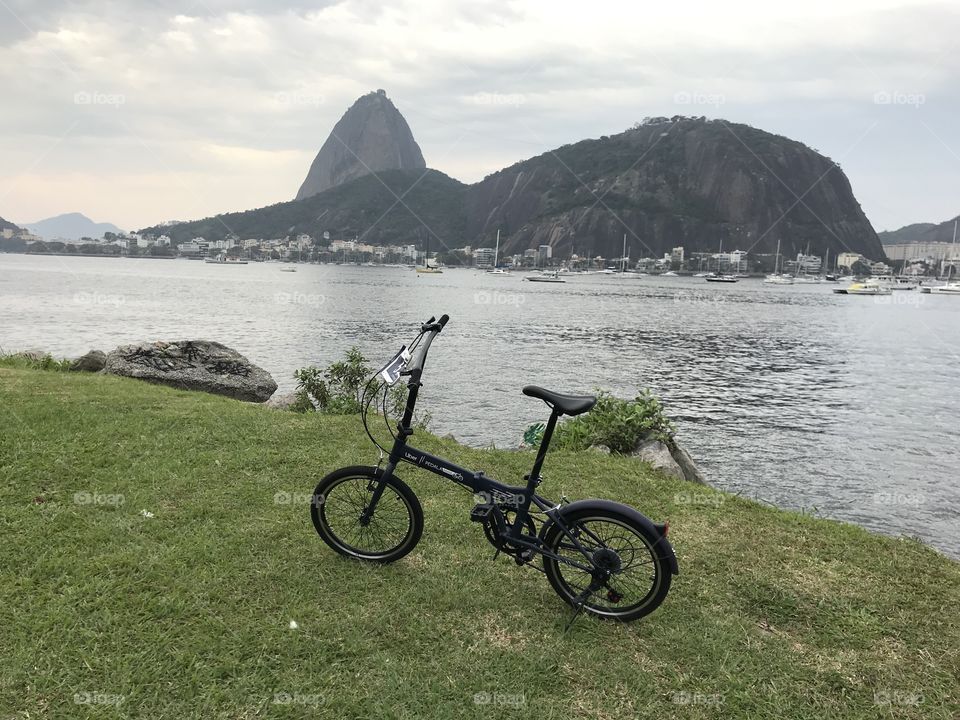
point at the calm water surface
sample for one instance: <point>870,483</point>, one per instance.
<point>840,404</point>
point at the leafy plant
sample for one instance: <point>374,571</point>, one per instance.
<point>618,424</point>
<point>35,361</point>
<point>338,389</point>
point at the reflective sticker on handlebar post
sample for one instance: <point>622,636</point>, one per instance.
<point>391,371</point>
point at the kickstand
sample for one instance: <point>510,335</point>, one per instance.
<point>579,602</point>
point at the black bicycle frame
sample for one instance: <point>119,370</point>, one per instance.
<point>517,497</point>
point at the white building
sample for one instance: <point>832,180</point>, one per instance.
<point>809,263</point>
<point>932,252</point>
<point>484,257</point>
<point>848,259</point>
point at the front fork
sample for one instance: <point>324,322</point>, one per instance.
<point>377,486</point>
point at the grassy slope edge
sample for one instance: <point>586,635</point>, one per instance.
<point>186,613</point>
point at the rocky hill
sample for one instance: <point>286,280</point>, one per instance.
<point>6,225</point>
<point>666,182</point>
<point>669,182</point>
<point>70,226</point>
<point>367,208</point>
<point>919,232</point>
<point>372,136</point>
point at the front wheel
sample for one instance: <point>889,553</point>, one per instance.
<point>342,514</point>
<point>621,572</point>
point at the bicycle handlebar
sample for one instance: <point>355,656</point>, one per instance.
<point>430,329</point>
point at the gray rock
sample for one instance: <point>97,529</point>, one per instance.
<point>600,449</point>
<point>658,455</point>
<point>282,402</point>
<point>193,365</point>
<point>93,361</point>
<point>690,470</point>
<point>371,136</point>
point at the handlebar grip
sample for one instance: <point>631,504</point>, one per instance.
<point>443,320</point>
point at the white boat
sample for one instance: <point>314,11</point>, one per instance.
<point>224,260</point>
<point>897,282</point>
<point>722,278</point>
<point>775,279</point>
<point>669,273</point>
<point>867,287</point>
<point>288,268</point>
<point>496,259</point>
<point>553,277</point>
<point>701,274</point>
<point>951,288</point>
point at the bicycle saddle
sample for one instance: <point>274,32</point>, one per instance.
<point>566,404</point>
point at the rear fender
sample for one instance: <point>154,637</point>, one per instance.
<point>662,547</point>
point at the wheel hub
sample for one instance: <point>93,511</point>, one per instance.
<point>606,560</point>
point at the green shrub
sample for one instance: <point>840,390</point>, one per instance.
<point>338,390</point>
<point>34,361</point>
<point>616,423</point>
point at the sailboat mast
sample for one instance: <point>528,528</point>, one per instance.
<point>623,254</point>
<point>496,253</point>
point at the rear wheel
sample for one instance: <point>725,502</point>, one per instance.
<point>341,513</point>
<point>622,562</point>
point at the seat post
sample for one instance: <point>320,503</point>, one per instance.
<point>534,478</point>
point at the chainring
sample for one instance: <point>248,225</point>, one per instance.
<point>508,516</point>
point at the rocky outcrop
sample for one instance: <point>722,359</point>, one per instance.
<point>193,365</point>
<point>371,136</point>
<point>669,182</point>
<point>93,361</point>
<point>283,402</point>
<point>658,456</point>
<point>669,458</point>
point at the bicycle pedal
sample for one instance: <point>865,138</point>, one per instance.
<point>523,557</point>
<point>481,513</point>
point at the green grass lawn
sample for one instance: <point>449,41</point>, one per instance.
<point>105,612</point>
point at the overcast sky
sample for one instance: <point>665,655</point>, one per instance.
<point>135,112</point>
